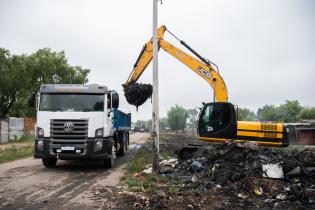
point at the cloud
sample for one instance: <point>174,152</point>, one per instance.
<point>265,49</point>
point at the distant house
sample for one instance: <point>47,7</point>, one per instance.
<point>302,133</point>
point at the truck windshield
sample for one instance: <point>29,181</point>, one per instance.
<point>72,102</point>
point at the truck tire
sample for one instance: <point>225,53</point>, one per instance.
<point>127,141</point>
<point>49,162</point>
<point>122,144</point>
<point>122,150</point>
<point>110,162</point>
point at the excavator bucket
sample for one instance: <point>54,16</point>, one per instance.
<point>136,93</point>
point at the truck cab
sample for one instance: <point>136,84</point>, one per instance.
<point>77,121</point>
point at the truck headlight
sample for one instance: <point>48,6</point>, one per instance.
<point>98,145</point>
<point>99,132</point>
<point>40,132</point>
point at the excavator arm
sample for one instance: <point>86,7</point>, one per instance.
<point>202,67</point>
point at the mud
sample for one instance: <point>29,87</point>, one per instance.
<point>136,93</point>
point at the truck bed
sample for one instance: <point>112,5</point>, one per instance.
<point>122,121</point>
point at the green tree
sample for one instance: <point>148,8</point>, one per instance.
<point>14,77</point>
<point>290,110</point>
<point>287,112</point>
<point>148,124</point>
<point>307,113</point>
<point>163,123</point>
<point>269,113</point>
<point>245,114</point>
<point>22,75</point>
<point>176,117</point>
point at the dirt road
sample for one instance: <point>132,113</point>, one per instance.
<point>27,184</point>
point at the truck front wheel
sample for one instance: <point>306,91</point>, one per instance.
<point>49,162</point>
<point>110,162</point>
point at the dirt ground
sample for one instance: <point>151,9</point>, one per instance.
<point>27,184</point>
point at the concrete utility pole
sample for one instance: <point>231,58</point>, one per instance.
<point>155,98</point>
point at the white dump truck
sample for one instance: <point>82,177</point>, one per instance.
<point>77,121</point>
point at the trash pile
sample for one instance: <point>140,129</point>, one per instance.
<point>247,171</point>
<point>137,93</point>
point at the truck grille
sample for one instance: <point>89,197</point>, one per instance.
<point>78,132</point>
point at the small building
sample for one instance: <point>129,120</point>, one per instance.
<point>302,133</point>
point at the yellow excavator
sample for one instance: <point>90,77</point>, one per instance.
<point>217,121</point>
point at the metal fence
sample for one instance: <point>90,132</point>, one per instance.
<point>13,128</point>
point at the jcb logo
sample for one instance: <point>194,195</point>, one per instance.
<point>204,72</point>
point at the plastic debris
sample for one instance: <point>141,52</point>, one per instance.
<point>295,172</point>
<point>272,171</point>
<point>194,178</point>
<point>137,176</point>
<point>171,162</point>
<point>258,191</point>
<point>148,170</point>
<point>196,166</point>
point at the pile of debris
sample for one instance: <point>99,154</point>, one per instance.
<point>247,171</point>
<point>137,93</point>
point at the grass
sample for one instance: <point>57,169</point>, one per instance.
<point>14,150</point>
<point>136,181</point>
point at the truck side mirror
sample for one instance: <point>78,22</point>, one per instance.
<point>31,100</point>
<point>115,100</point>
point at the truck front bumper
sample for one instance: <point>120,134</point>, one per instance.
<point>72,150</point>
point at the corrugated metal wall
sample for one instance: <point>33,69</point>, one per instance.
<point>306,136</point>
<point>4,131</point>
<point>14,128</point>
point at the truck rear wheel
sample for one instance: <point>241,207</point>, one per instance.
<point>122,145</point>
<point>122,150</point>
<point>49,162</point>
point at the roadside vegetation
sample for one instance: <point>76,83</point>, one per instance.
<point>17,149</point>
<point>149,183</point>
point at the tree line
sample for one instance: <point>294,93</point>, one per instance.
<point>21,75</point>
<point>291,111</point>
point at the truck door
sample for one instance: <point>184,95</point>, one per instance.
<point>109,110</point>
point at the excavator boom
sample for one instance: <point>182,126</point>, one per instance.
<point>201,67</point>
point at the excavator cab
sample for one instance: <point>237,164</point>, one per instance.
<point>217,120</point>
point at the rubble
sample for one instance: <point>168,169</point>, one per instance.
<point>271,174</point>
<point>137,93</point>
<point>230,176</point>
